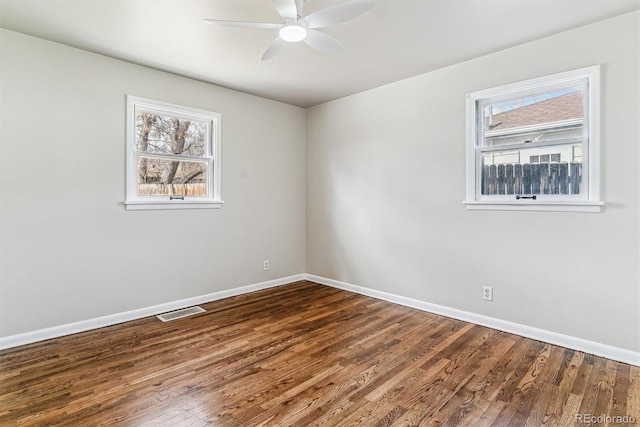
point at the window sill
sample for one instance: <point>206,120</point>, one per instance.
<point>541,206</point>
<point>178,204</point>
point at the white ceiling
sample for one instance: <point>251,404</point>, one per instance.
<point>396,39</point>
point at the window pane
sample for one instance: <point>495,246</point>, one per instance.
<point>546,170</point>
<point>170,135</point>
<point>577,153</point>
<point>544,116</point>
<point>165,177</point>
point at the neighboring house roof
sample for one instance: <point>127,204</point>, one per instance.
<point>561,108</point>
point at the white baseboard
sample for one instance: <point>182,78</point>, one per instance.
<point>591,347</point>
<point>113,319</point>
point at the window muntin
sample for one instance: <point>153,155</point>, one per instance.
<point>540,132</point>
<point>173,156</point>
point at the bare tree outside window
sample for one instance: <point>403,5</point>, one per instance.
<point>161,137</point>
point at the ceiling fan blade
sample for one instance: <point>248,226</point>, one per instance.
<point>323,43</point>
<point>299,6</point>
<point>242,24</point>
<point>288,9</point>
<point>273,49</point>
<point>339,13</point>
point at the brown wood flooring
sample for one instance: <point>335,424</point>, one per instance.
<point>304,355</point>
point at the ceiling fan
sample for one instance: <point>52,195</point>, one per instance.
<point>296,28</point>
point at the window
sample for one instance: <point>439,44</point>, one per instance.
<point>173,156</point>
<point>546,158</point>
<point>534,145</point>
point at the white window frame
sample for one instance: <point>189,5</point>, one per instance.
<point>212,156</point>
<point>589,201</point>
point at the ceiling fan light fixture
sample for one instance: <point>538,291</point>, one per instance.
<point>293,32</point>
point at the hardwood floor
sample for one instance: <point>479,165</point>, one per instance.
<point>303,355</point>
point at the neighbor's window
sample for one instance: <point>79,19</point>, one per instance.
<point>173,156</point>
<point>534,145</point>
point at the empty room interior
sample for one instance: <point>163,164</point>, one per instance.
<point>349,212</point>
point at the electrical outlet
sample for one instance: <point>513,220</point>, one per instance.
<point>487,293</point>
<point>265,266</point>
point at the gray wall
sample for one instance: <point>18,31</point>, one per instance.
<point>379,215</point>
<point>68,249</point>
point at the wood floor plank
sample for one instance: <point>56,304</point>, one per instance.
<point>307,355</point>
<point>620,390</point>
<point>569,410</point>
<point>605,389</point>
<point>553,412</point>
<point>592,389</point>
<point>633,394</point>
